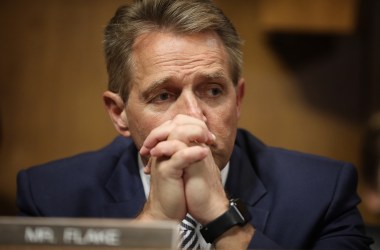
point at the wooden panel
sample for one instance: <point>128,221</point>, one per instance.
<point>52,75</point>
<point>336,16</point>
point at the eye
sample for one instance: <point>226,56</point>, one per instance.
<point>163,96</point>
<point>214,91</point>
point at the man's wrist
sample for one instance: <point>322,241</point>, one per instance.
<point>214,213</point>
<point>151,213</point>
<point>236,215</point>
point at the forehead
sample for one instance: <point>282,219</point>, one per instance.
<point>169,52</point>
<point>169,41</point>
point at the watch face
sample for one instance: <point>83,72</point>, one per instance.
<point>238,216</point>
<point>241,209</point>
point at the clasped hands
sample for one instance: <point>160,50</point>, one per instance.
<point>184,176</point>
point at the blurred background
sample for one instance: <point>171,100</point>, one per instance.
<point>312,68</point>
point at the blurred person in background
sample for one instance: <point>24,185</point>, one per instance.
<point>371,175</point>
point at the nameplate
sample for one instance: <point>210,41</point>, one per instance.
<point>88,232</point>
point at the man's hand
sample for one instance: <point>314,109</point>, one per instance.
<point>183,173</point>
<point>166,197</point>
<point>205,195</point>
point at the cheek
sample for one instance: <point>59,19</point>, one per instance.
<point>138,125</point>
<point>223,124</point>
<point>141,123</point>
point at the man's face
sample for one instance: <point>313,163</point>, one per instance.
<point>184,74</point>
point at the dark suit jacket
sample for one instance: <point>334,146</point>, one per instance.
<point>297,201</point>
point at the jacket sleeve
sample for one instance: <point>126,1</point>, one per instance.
<point>24,200</point>
<point>343,227</point>
<point>340,228</point>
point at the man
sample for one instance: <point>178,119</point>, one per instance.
<point>175,93</point>
<point>370,172</point>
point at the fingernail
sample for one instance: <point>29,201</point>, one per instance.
<point>213,136</point>
<point>144,151</point>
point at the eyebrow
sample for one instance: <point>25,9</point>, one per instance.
<point>156,85</point>
<point>202,77</point>
<point>217,75</point>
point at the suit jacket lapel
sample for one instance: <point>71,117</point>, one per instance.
<point>125,186</point>
<point>243,182</point>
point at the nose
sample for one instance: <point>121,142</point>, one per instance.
<point>191,106</point>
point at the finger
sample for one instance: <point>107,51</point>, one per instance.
<point>148,166</point>
<point>176,149</point>
<point>158,134</point>
<point>177,129</point>
<point>167,148</point>
<point>190,133</point>
<point>189,155</point>
<point>185,119</point>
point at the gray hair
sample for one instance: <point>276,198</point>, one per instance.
<point>178,16</point>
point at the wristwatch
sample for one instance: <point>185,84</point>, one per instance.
<point>237,214</point>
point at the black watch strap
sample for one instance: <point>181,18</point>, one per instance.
<point>237,214</point>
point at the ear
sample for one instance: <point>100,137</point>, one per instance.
<point>240,91</point>
<point>115,107</point>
